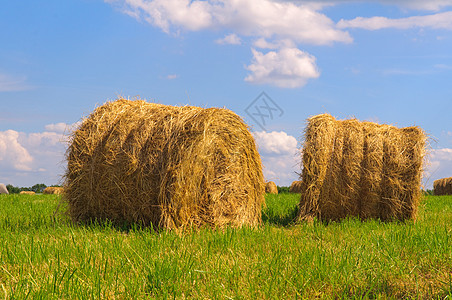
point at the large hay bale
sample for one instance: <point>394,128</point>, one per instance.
<point>353,168</point>
<point>172,167</point>
<point>27,193</point>
<point>271,188</point>
<point>295,187</point>
<point>3,189</point>
<point>442,186</point>
<point>53,190</point>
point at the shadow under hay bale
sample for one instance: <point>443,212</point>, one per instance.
<point>53,190</point>
<point>271,188</point>
<point>165,166</point>
<point>442,186</point>
<point>295,187</point>
<point>363,169</point>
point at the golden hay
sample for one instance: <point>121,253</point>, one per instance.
<point>3,189</point>
<point>27,193</point>
<point>295,187</point>
<point>172,167</point>
<point>271,188</point>
<point>53,190</point>
<point>353,168</point>
<point>442,186</point>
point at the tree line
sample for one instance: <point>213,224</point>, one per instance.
<point>37,188</point>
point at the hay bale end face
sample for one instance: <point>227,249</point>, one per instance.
<point>295,187</point>
<point>363,169</point>
<point>165,166</point>
<point>3,189</point>
<point>271,188</point>
<point>442,186</point>
<point>53,190</point>
<point>27,193</point>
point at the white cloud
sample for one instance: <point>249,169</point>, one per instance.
<point>435,21</point>
<point>439,165</point>
<point>280,156</point>
<point>231,39</point>
<point>12,153</point>
<point>257,18</point>
<point>58,127</point>
<point>287,68</point>
<point>433,5</point>
<point>172,76</point>
<point>12,84</point>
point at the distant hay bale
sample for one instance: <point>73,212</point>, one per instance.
<point>53,190</point>
<point>353,168</point>
<point>165,166</point>
<point>295,187</point>
<point>27,193</point>
<point>271,188</point>
<point>3,189</point>
<point>442,186</point>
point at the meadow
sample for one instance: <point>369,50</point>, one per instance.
<point>44,256</point>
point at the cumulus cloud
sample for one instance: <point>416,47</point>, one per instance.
<point>435,21</point>
<point>434,5</point>
<point>439,165</point>
<point>12,153</point>
<point>37,157</point>
<point>280,156</point>
<point>230,39</point>
<point>287,68</point>
<point>258,18</point>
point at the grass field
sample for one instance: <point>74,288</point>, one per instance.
<point>43,256</point>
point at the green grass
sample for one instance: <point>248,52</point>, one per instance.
<point>46,257</point>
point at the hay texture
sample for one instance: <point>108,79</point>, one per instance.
<point>27,193</point>
<point>53,190</point>
<point>353,168</point>
<point>172,167</point>
<point>295,187</point>
<point>3,189</point>
<point>442,186</point>
<point>271,188</point>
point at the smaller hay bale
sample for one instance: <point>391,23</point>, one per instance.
<point>3,189</point>
<point>27,193</point>
<point>442,186</point>
<point>53,190</point>
<point>271,188</point>
<point>295,187</point>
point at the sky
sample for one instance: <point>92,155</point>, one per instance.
<point>273,62</point>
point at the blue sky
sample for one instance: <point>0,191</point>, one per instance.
<point>384,61</point>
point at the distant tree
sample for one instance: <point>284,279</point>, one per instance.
<point>38,188</point>
<point>12,189</point>
<point>283,189</point>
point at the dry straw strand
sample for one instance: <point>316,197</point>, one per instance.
<point>363,169</point>
<point>165,166</point>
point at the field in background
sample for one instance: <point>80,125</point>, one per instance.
<point>43,256</point>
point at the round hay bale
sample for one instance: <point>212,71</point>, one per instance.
<point>361,169</point>
<point>442,186</point>
<point>165,166</point>
<point>3,189</point>
<point>295,187</point>
<point>271,188</point>
<point>53,190</point>
<point>27,193</point>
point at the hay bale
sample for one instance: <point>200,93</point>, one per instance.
<point>442,186</point>
<point>172,167</point>
<point>53,190</point>
<point>271,188</point>
<point>353,168</point>
<point>295,187</point>
<point>27,193</point>
<point>3,189</point>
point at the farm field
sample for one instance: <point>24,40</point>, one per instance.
<point>45,256</point>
